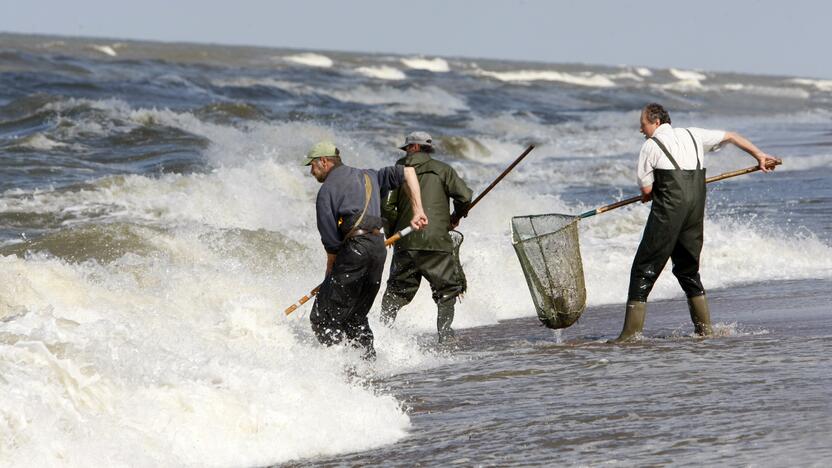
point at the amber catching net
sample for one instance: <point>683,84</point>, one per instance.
<point>547,246</point>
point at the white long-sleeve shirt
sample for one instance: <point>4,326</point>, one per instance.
<point>679,144</point>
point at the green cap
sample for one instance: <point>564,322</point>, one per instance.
<point>322,149</point>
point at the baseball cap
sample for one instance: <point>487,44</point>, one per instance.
<point>322,149</point>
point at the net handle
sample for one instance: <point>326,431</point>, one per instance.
<point>726,175</point>
<point>500,177</point>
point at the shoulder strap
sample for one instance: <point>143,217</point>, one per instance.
<point>667,153</point>
<point>368,193</point>
<point>695,149</point>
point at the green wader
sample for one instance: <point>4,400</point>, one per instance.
<point>428,253</point>
<point>674,230</point>
<point>406,272</point>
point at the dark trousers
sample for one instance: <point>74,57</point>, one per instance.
<point>406,272</point>
<point>341,307</point>
<point>674,231</point>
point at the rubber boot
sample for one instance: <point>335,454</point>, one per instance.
<point>700,315</point>
<point>444,319</point>
<point>633,321</point>
<point>390,306</point>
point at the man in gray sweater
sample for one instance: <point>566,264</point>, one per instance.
<point>348,212</point>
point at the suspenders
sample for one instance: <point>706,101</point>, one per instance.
<point>673,161</point>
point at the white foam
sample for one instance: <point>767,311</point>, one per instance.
<point>520,76</point>
<point>519,127</point>
<point>382,73</point>
<point>310,60</point>
<point>423,100</point>
<point>822,85</point>
<point>688,81</point>
<point>610,134</point>
<point>803,163</point>
<point>683,86</point>
<point>426,100</point>
<point>625,75</point>
<point>181,359</point>
<point>40,141</point>
<point>436,65</point>
<point>687,75</point>
<point>768,91</point>
<point>105,49</point>
<point>645,72</point>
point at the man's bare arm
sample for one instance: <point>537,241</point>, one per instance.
<point>765,161</point>
<point>419,220</point>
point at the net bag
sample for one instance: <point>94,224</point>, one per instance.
<point>457,238</point>
<point>548,250</point>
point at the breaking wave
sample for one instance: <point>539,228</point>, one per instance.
<point>310,60</point>
<point>436,65</point>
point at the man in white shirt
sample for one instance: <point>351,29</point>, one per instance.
<point>671,172</point>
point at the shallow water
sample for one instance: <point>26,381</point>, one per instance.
<point>155,221</point>
<point>759,393</point>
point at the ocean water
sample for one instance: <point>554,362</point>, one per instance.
<point>155,221</point>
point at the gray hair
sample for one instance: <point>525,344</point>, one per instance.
<point>655,111</point>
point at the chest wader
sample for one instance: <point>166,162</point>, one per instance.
<point>673,230</point>
<point>432,254</point>
<point>346,295</point>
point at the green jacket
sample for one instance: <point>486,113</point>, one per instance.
<point>438,183</point>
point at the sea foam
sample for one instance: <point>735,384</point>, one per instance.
<point>382,73</point>
<point>310,60</point>
<point>520,76</point>
<point>822,85</point>
<point>436,65</point>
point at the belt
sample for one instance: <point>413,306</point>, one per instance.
<point>364,232</point>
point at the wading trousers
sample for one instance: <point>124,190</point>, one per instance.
<point>341,307</point>
<point>673,230</point>
<point>406,271</point>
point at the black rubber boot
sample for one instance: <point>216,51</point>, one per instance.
<point>633,321</point>
<point>700,315</point>
<point>444,319</point>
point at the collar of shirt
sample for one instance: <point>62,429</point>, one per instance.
<point>663,129</point>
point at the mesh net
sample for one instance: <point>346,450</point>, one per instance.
<point>457,239</point>
<point>547,246</point>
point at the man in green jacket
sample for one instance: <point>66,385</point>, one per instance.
<point>428,253</point>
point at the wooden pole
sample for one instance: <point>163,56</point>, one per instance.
<point>726,175</point>
<point>500,177</point>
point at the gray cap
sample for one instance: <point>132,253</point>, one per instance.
<point>417,138</point>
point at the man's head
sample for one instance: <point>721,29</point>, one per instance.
<point>652,116</point>
<point>416,142</point>
<point>322,158</point>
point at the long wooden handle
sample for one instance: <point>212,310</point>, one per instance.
<point>303,300</point>
<point>314,292</point>
<point>726,175</point>
<point>500,177</point>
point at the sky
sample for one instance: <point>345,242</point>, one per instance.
<point>753,36</point>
